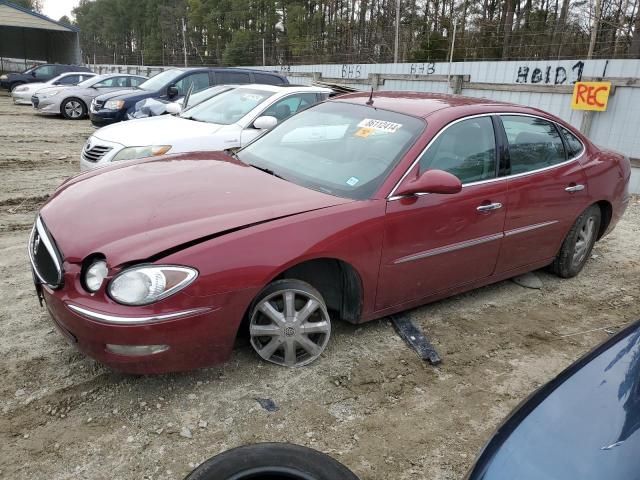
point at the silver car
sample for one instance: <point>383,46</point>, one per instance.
<point>73,102</point>
<point>23,93</point>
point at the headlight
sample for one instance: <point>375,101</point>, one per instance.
<point>114,104</point>
<point>21,89</point>
<point>146,284</point>
<point>95,275</point>
<point>3,77</point>
<point>50,94</point>
<point>131,153</point>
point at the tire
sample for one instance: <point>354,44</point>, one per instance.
<point>14,85</point>
<point>271,461</point>
<point>578,243</point>
<point>73,109</point>
<point>289,324</point>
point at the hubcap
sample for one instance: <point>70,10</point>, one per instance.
<point>585,235</point>
<point>290,328</point>
<point>73,109</point>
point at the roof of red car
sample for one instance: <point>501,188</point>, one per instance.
<point>416,103</point>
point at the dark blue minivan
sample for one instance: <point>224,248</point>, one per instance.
<point>171,85</point>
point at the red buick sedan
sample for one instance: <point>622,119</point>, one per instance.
<point>351,210</point>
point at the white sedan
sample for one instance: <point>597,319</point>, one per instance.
<point>229,120</point>
<point>23,93</point>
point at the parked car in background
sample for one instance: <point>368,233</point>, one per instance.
<point>583,424</point>
<point>228,120</point>
<point>152,107</point>
<point>172,84</point>
<point>23,93</point>
<point>73,102</point>
<point>353,209</point>
<point>39,73</point>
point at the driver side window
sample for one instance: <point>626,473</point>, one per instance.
<point>466,149</point>
<point>44,71</point>
<point>286,107</point>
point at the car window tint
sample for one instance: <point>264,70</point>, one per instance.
<point>574,146</point>
<point>267,79</point>
<point>135,81</point>
<point>534,143</point>
<point>466,149</point>
<point>44,71</point>
<point>200,81</point>
<point>69,80</point>
<point>232,77</point>
<point>288,106</point>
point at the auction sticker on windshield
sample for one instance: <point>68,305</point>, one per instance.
<point>380,125</point>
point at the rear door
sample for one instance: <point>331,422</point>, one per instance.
<point>547,190</point>
<point>437,242</point>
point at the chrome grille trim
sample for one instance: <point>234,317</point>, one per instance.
<point>43,236</point>
<point>95,153</point>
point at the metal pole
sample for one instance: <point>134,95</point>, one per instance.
<point>184,42</point>
<point>453,44</point>
<point>395,46</point>
<point>264,58</point>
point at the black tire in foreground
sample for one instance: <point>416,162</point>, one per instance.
<point>271,461</point>
<point>73,109</point>
<point>578,243</point>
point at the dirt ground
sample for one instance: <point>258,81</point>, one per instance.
<point>369,402</point>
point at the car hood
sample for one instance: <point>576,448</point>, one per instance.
<point>128,95</point>
<point>48,89</point>
<point>160,130</point>
<point>137,210</point>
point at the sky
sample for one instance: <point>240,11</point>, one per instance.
<point>57,8</point>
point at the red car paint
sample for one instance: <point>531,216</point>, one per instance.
<point>241,228</point>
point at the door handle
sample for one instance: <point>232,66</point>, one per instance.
<point>574,188</point>
<point>488,207</point>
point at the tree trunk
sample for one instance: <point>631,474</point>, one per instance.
<point>508,26</point>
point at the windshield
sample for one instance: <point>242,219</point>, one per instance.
<point>90,81</point>
<point>338,148</point>
<point>206,94</point>
<point>160,80</point>
<point>30,69</point>
<point>228,107</point>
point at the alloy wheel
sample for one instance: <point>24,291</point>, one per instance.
<point>290,328</point>
<point>583,241</point>
<point>73,109</point>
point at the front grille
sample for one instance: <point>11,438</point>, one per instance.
<point>35,100</point>
<point>94,153</point>
<point>45,257</point>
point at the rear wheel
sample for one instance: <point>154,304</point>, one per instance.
<point>73,109</point>
<point>271,461</point>
<point>578,243</point>
<point>289,324</point>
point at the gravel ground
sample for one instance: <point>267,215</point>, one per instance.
<point>369,402</point>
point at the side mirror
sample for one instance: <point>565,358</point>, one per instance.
<point>431,181</point>
<point>266,122</point>
<point>173,108</point>
<point>172,91</point>
<point>33,74</point>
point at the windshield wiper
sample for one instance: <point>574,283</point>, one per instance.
<point>266,170</point>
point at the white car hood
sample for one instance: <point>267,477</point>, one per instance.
<point>162,130</point>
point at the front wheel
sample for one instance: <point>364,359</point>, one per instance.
<point>578,243</point>
<point>73,109</point>
<point>289,324</point>
<point>272,461</point>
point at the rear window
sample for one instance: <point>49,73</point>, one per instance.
<point>574,146</point>
<point>267,79</point>
<point>232,77</point>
